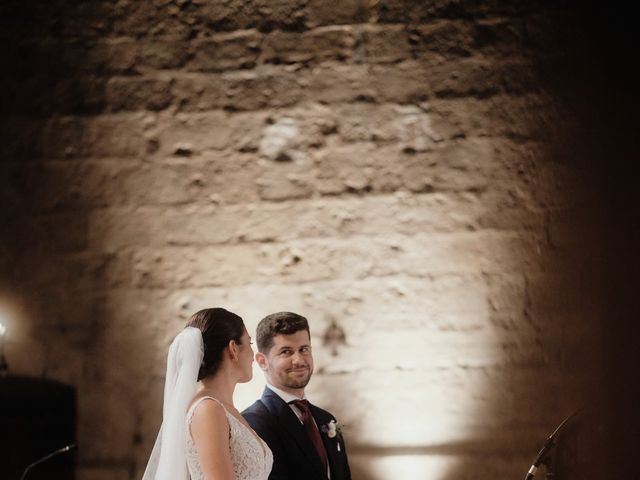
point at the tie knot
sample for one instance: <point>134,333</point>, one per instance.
<point>301,404</point>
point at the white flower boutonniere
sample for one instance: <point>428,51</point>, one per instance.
<point>332,429</point>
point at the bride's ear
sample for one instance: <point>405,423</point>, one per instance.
<point>234,350</point>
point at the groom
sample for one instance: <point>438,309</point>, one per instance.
<point>305,440</point>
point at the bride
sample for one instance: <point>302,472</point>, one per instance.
<point>203,436</point>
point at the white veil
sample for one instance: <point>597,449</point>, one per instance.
<point>168,459</point>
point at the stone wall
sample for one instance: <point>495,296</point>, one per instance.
<point>402,169</point>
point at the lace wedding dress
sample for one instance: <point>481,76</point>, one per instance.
<point>250,455</point>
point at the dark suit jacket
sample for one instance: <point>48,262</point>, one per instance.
<point>294,457</point>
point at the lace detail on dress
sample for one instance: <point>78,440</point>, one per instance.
<point>250,455</point>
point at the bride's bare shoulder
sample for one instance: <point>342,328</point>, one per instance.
<point>206,403</point>
<point>209,417</point>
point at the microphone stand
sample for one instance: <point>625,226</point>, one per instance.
<point>548,444</point>
<point>47,457</point>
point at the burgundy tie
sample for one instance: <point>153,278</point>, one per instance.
<point>312,431</point>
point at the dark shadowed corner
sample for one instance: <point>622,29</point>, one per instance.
<point>50,285</point>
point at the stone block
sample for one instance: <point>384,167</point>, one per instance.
<point>223,16</point>
<point>335,174</point>
<point>261,88</point>
<point>166,183</point>
<point>162,53</point>
<point>384,44</point>
<point>191,134</point>
<point>247,130</point>
<point>406,82</point>
<point>446,38</point>
<point>338,83</point>
<point>229,51</point>
<point>408,126</point>
<point>108,56</point>
<point>198,92</point>
<point>238,184</point>
<point>481,77</point>
<point>131,93</point>
<point>520,118</point>
<point>321,44</point>
<point>157,18</point>
<point>460,166</point>
<point>102,136</point>
<point>320,12</point>
<point>286,180</point>
<point>265,15</point>
<point>242,90</point>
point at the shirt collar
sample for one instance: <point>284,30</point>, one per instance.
<point>285,396</point>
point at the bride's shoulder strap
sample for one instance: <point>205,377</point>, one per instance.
<point>206,397</point>
<point>199,401</point>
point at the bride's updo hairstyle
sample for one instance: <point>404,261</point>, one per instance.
<point>218,327</point>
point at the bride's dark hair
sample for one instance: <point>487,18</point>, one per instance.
<point>218,327</point>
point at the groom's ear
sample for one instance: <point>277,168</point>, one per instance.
<point>261,360</point>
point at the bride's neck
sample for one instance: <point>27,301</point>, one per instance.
<point>219,386</point>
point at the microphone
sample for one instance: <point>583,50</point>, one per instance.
<point>64,449</point>
<point>548,444</point>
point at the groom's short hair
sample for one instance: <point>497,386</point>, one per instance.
<point>281,323</point>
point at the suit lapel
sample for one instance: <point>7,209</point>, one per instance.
<point>289,422</point>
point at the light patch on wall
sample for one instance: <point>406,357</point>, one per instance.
<point>406,467</point>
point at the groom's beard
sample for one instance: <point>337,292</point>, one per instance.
<point>298,380</point>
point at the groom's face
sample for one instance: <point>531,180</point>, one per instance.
<point>289,363</point>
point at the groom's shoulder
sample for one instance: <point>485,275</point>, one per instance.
<point>256,407</point>
<point>259,417</point>
<point>322,412</point>
<point>257,412</point>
